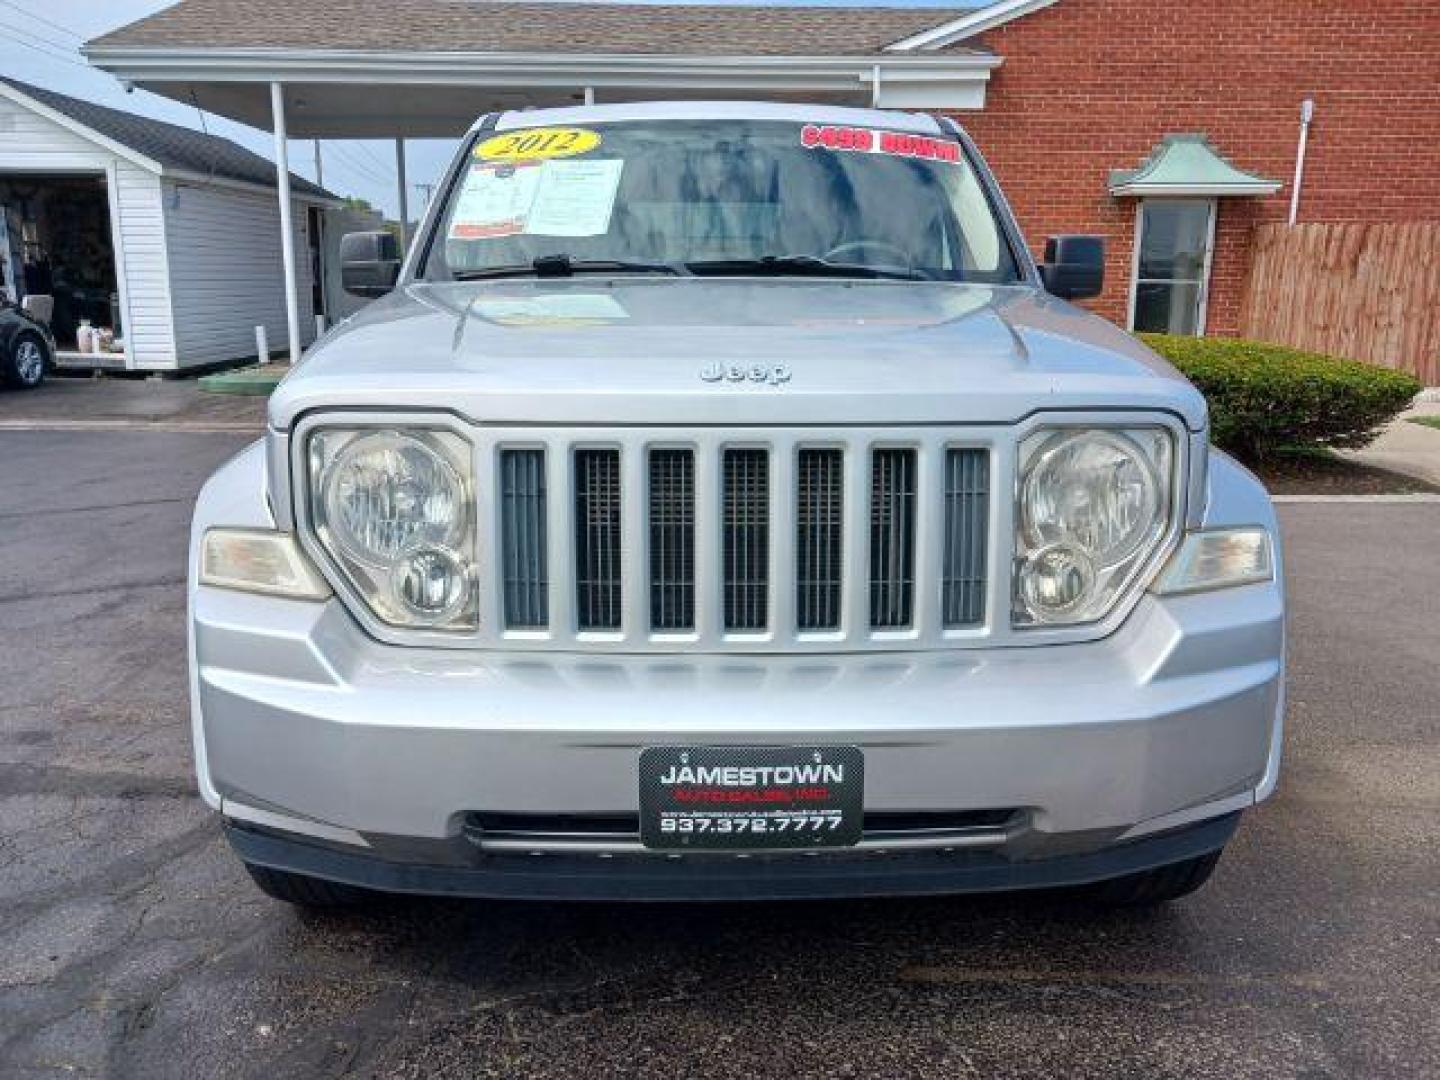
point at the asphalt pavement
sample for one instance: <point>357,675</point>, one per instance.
<point>132,944</point>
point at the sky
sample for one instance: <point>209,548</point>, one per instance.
<point>41,46</point>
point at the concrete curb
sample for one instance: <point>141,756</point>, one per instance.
<point>213,427</point>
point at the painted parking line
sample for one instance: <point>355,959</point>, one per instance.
<point>1421,498</point>
<point>211,427</point>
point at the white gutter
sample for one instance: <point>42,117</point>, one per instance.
<point>1307,116</point>
<point>524,69</point>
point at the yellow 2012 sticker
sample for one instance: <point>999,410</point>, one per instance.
<point>538,144</point>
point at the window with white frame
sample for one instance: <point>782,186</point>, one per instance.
<point>1170,282</point>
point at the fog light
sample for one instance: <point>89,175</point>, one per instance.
<point>1056,581</point>
<point>431,584</point>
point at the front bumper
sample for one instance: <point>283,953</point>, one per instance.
<point>333,754</point>
<point>573,877</point>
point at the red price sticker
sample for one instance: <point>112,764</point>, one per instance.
<point>868,141</point>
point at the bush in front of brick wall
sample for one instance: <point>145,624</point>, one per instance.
<point>1265,398</point>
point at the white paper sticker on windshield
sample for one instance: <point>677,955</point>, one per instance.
<point>575,198</point>
<point>549,198</point>
<point>494,201</point>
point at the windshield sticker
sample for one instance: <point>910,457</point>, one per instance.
<point>537,198</point>
<point>575,198</point>
<point>495,201</point>
<point>868,141</point>
<point>538,144</point>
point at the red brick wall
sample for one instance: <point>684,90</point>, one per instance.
<point>1092,85</point>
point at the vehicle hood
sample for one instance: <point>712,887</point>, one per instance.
<point>637,351</point>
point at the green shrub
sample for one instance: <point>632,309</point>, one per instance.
<point>1265,397</point>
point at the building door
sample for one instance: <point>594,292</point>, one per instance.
<point>1174,241</point>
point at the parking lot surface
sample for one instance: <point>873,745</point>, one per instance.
<point>132,943</point>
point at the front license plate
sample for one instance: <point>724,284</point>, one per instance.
<point>751,797</point>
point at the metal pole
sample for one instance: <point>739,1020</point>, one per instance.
<point>1307,116</point>
<point>319,166</point>
<point>404,195</point>
<point>287,227</point>
<point>589,95</point>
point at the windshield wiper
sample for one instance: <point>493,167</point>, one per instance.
<point>549,266</point>
<point>801,266</point>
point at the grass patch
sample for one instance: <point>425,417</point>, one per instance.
<point>1427,421</point>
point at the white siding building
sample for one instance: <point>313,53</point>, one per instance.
<point>168,236</point>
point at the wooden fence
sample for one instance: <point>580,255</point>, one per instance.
<point>1366,291</point>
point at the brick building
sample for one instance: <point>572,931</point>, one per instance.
<point>1091,86</point>
<point>1179,123</point>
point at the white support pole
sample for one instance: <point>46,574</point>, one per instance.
<point>404,195</point>
<point>287,227</point>
<point>1307,117</point>
<point>319,164</point>
<point>589,95</point>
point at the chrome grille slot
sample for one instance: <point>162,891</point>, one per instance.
<point>672,540</point>
<point>597,539</point>
<point>819,528</point>
<point>746,531</point>
<point>523,539</point>
<point>892,538</point>
<point>967,518</point>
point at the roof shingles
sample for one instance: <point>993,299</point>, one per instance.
<point>169,145</point>
<point>512,26</point>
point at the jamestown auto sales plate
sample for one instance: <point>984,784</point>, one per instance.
<point>751,797</point>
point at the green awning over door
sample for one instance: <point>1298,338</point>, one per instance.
<point>1187,165</point>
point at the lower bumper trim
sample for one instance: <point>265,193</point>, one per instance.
<point>785,877</point>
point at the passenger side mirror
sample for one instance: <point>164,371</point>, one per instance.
<point>1074,266</point>
<point>369,263</point>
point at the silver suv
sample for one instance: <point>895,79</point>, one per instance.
<point>721,503</point>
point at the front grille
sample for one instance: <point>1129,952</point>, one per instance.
<point>610,835</point>
<point>523,548</point>
<point>819,538</point>
<point>967,517</point>
<point>672,539</point>
<point>845,543</point>
<point>746,525</point>
<point>597,539</point>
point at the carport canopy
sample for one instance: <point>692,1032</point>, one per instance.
<point>353,69</point>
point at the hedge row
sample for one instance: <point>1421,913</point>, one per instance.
<point>1267,397</point>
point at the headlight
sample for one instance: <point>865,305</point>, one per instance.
<point>392,509</point>
<point>1093,505</point>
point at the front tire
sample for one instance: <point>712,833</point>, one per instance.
<point>307,892</point>
<point>1151,888</point>
<point>25,366</point>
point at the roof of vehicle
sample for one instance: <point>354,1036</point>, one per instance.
<point>720,110</point>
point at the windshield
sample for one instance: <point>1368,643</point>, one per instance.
<point>718,198</point>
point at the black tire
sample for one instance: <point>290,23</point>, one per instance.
<point>307,892</point>
<point>25,364</point>
<point>1158,886</point>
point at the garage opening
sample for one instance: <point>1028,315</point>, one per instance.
<point>56,242</point>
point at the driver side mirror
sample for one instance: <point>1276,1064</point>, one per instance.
<point>1074,267</point>
<point>369,263</point>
